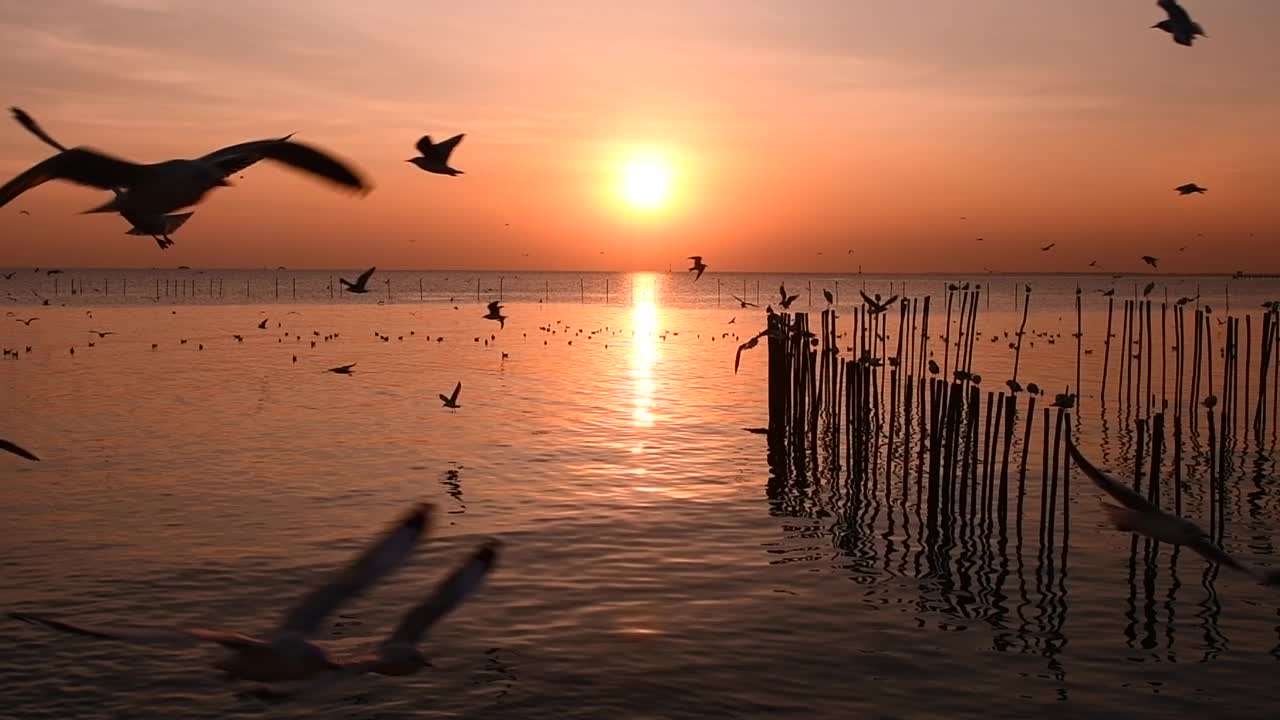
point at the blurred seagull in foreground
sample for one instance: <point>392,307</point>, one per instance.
<point>1191,189</point>
<point>495,313</point>
<point>435,156</point>
<point>451,401</point>
<point>286,654</point>
<point>1141,516</point>
<point>157,227</point>
<point>698,266</point>
<point>159,188</point>
<point>359,285</point>
<point>1180,25</point>
<point>20,452</point>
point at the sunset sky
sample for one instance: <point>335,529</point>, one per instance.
<point>783,130</point>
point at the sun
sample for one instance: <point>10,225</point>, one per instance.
<point>645,182</point>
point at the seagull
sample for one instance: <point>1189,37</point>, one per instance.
<point>20,452</point>
<point>9,275</point>
<point>1146,518</point>
<point>359,285</point>
<point>495,313</point>
<point>742,302</point>
<point>751,343</point>
<point>875,305</point>
<point>263,325</point>
<point>1147,290</point>
<point>1066,401</point>
<point>1048,247</point>
<point>1152,261</point>
<point>831,300</point>
<point>159,188</point>
<point>451,401</point>
<point>435,156</point>
<point>27,321</point>
<point>933,367</point>
<point>102,333</point>
<point>1180,25</point>
<point>786,299</point>
<point>342,369</point>
<point>1190,189</point>
<point>158,227</point>
<point>286,655</point>
<point>698,266</point>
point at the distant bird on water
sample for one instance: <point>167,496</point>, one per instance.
<point>435,156</point>
<point>287,654</point>
<point>20,452</point>
<point>1139,515</point>
<point>359,286</point>
<point>1180,25</point>
<point>698,266</point>
<point>343,369</point>
<point>163,187</point>
<point>451,401</point>
<point>1190,189</point>
<point>1152,261</point>
<point>495,313</point>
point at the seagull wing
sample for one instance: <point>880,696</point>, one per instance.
<point>737,359</point>
<point>1207,549</point>
<point>1177,13</point>
<point>1113,487</point>
<point>27,122</point>
<point>867,299</point>
<point>495,307</point>
<point>20,452</point>
<point>230,160</point>
<point>697,259</point>
<point>380,560</point>
<point>449,594</point>
<point>78,165</point>
<point>143,636</point>
<point>364,276</point>
<point>443,149</point>
<point>456,389</point>
<point>424,146</point>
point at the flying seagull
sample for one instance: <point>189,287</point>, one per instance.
<point>1180,25</point>
<point>698,266</point>
<point>1145,518</point>
<point>495,313</point>
<point>1152,261</point>
<point>26,321</point>
<point>287,655</point>
<point>20,452</point>
<point>359,285</point>
<point>1048,247</point>
<point>158,227</point>
<point>750,343</point>
<point>263,325</point>
<point>1146,291</point>
<point>435,156</point>
<point>744,303</point>
<point>831,300</point>
<point>343,369</point>
<point>874,305</point>
<point>786,299</point>
<point>451,401</point>
<point>160,188</point>
<point>1190,189</point>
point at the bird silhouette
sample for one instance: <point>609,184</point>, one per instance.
<point>102,333</point>
<point>495,313</point>
<point>1191,189</point>
<point>27,321</point>
<point>1152,261</point>
<point>263,325</point>
<point>1147,290</point>
<point>933,367</point>
<point>742,302</point>
<point>786,299</point>
<point>16,450</point>
<point>451,401</point>
<point>361,283</point>
<point>698,266</point>
<point>9,275</point>
<point>874,305</point>
<point>750,343</point>
<point>831,300</point>
<point>342,369</point>
<point>1180,25</point>
<point>1048,247</point>
<point>435,156</point>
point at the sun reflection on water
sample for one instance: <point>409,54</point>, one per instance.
<point>644,347</point>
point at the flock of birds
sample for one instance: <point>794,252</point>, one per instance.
<point>150,196</point>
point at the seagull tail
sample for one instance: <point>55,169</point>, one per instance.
<point>170,224</point>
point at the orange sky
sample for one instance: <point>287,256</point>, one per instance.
<point>793,127</point>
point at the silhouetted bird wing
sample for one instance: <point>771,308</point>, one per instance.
<point>375,563</point>
<point>27,122</point>
<point>495,307</point>
<point>235,158</point>
<point>456,389</point>
<point>441,150</point>
<point>144,636</point>
<point>867,298</point>
<point>78,165</point>
<point>1122,493</point>
<point>20,452</point>
<point>1176,12</point>
<point>450,593</point>
<point>364,276</point>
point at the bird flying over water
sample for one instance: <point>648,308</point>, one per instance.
<point>1180,25</point>
<point>1147,290</point>
<point>160,188</point>
<point>749,344</point>
<point>1048,247</point>
<point>20,452</point>
<point>451,401</point>
<point>831,300</point>
<point>495,313</point>
<point>26,321</point>
<point>287,654</point>
<point>435,156</point>
<point>359,286</point>
<point>1190,189</point>
<point>742,302</point>
<point>698,266</point>
<point>342,369</point>
<point>1152,261</point>
<point>1138,514</point>
<point>874,305</point>
<point>786,299</point>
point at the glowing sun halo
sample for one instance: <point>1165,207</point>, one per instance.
<point>645,183</point>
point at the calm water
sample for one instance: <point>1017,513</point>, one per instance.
<point>653,566</point>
